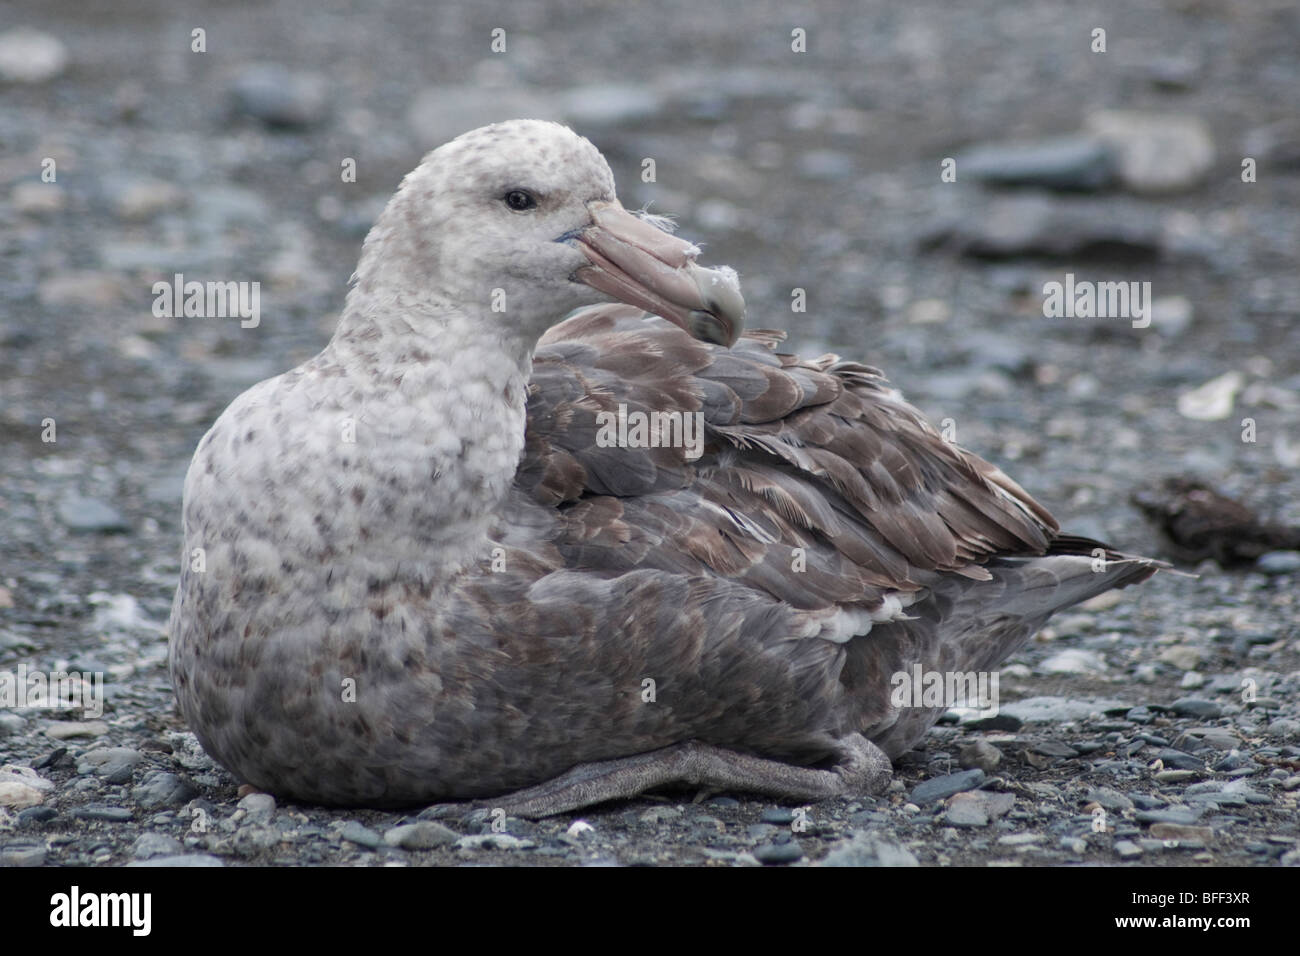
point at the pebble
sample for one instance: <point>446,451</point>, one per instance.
<point>1196,707</point>
<point>37,199</point>
<point>103,814</point>
<point>182,860</point>
<point>979,754</point>
<point>159,788</point>
<point>1020,839</point>
<point>1179,760</point>
<point>1212,401</point>
<point>113,763</point>
<point>1127,850</point>
<point>1037,226</point>
<point>1067,163</point>
<point>1058,709</point>
<point>11,724</point>
<point>1185,657</point>
<point>1279,562</point>
<point>36,815</point>
<point>81,288</point>
<point>941,788</point>
<point>1155,153</point>
<point>424,835</point>
<point>361,835</point>
<point>281,98</point>
<point>1172,314</point>
<point>1183,815</point>
<point>494,841</point>
<point>1112,800</point>
<point>1181,832</point>
<point>139,200</point>
<point>868,848</point>
<point>779,815</point>
<point>773,853</point>
<point>1192,680</point>
<point>155,844</point>
<point>29,56</point>
<point>1074,661</point>
<point>22,854</point>
<point>657,815</point>
<point>86,515</point>
<point>966,813</point>
<point>259,807</point>
<point>1174,776</point>
<point>22,787</point>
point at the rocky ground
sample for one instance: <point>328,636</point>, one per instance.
<point>1155,727</point>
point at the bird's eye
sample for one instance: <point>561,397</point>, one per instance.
<point>519,200</point>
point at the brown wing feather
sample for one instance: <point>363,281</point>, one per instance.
<point>819,455</point>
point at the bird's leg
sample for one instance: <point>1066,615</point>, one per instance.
<point>860,768</point>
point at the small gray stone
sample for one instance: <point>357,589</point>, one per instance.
<point>772,853</point>
<point>1074,661</point>
<point>183,860</point>
<point>161,789</point>
<point>1127,850</point>
<point>494,841</point>
<point>355,832</point>
<point>109,761</point>
<point>103,814</point>
<point>1183,815</point>
<point>29,56</point>
<point>424,835</point>
<point>1178,760</point>
<point>36,815</point>
<point>941,788</point>
<point>156,844</point>
<point>11,724</point>
<point>1112,800</point>
<point>1020,839</point>
<point>280,97</point>
<point>86,515</point>
<point>258,807</point>
<point>657,815</point>
<point>966,813</point>
<point>1068,162</point>
<point>868,848</point>
<point>778,815</point>
<point>22,854</point>
<point>1181,832</point>
<point>979,754</point>
<point>1155,152</point>
<point>1196,707</point>
<point>1279,562</point>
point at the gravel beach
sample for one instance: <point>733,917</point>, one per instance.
<point>1158,726</point>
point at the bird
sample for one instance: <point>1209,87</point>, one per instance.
<point>543,526</point>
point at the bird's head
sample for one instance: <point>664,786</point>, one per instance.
<point>518,223</point>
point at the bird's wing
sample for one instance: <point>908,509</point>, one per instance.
<point>815,482</point>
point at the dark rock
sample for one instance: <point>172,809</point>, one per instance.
<point>1069,163</point>
<point>773,853</point>
<point>1196,707</point>
<point>941,788</point>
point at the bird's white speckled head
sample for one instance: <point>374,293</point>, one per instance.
<point>515,225</point>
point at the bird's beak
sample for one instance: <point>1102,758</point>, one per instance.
<point>642,265</point>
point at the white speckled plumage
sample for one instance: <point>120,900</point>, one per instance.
<point>422,512</point>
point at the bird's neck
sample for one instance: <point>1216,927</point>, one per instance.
<point>440,411</point>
